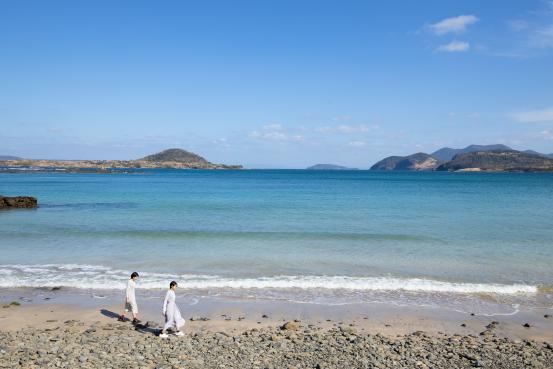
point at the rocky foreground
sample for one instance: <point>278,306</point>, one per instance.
<point>73,344</point>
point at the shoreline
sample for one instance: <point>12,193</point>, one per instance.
<point>239,314</point>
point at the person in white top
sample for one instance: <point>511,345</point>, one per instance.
<point>130,299</point>
<point>171,312</point>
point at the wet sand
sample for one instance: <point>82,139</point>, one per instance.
<point>41,308</point>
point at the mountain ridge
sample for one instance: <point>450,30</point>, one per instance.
<point>446,158</point>
<point>417,161</point>
<point>498,161</point>
<point>447,153</point>
<point>9,157</point>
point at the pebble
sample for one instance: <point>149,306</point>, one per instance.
<point>290,346</point>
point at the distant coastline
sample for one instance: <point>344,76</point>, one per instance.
<point>167,159</point>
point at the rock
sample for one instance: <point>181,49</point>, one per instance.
<point>290,326</point>
<point>526,325</point>
<point>348,330</point>
<point>265,316</point>
<point>267,348</point>
<point>21,202</point>
<point>477,363</point>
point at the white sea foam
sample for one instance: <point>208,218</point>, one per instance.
<point>101,277</point>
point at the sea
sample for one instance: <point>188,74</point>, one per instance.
<point>474,242</point>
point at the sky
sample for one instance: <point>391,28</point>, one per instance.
<point>273,84</point>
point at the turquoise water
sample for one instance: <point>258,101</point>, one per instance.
<point>321,235</point>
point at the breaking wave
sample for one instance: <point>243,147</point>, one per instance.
<point>105,278</point>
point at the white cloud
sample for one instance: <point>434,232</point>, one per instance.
<point>347,129</point>
<point>453,25</point>
<point>357,144</point>
<point>272,127</point>
<point>341,118</point>
<point>454,46</point>
<point>275,136</point>
<point>220,141</point>
<point>534,116</point>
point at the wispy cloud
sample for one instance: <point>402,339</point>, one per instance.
<point>274,136</point>
<point>534,116</point>
<point>347,129</point>
<point>341,118</point>
<point>454,47</point>
<point>220,141</point>
<point>542,37</point>
<point>531,34</point>
<point>453,25</point>
<point>546,135</point>
<point>274,132</point>
<point>272,127</point>
<point>357,144</point>
<point>518,24</point>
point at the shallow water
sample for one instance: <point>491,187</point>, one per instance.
<point>317,236</point>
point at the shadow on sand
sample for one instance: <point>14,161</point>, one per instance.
<point>140,327</point>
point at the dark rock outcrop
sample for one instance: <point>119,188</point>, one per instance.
<point>418,161</point>
<point>22,202</point>
<point>500,161</point>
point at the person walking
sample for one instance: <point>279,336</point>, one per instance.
<point>130,300</point>
<point>171,312</point>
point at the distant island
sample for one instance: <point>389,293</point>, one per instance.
<point>170,159</point>
<point>328,167</point>
<point>497,158</point>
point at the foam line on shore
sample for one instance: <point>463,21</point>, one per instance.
<point>105,278</point>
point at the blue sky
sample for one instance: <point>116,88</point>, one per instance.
<point>273,83</point>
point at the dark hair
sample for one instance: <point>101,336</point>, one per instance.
<point>173,283</point>
<point>134,275</point>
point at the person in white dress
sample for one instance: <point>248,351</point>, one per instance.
<point>130,299</point>
<point>171,312</point>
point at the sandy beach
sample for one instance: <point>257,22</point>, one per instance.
<point>66,329</point>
